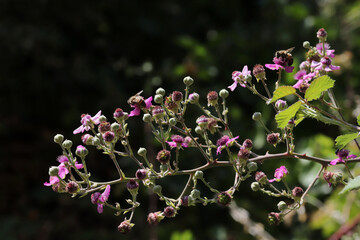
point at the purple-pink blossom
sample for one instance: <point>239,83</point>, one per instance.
<point>240,77</point>
<point>63,171</point>
<point>324,64</point>
<point>303,77</point>
<point>100,198</point>
<point>280,63</point>
<point>137,107</point>
<point>342,154</point>
<point>328,52</point>
<point>87,122</point>
<point>224,141</point>
<point>178,141</point>
<point>279,174</point>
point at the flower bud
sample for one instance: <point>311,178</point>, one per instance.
<point>212,98</point>
<point>223,198</point>
<point>102,118</point>
<point>158,112</point>
<point>188,81</point>
<point>172,122</point>
<point>118,114</point>
<point>297,192</point>
<point>158,98</point>
<point>281,105</point>
<point>87,139</point>
<point>194,98</point>
<point>274,218</point>
<point>212,125</point>
<point>108,136</point>
<point>256,116</point>
<point>202,121</point>
<point>104,127</point>
<point>198,175</point>
<point>195,194</point>
<point>261,178</point>
<point>72,187</point>
<point>160,91</point>
<point>155,218</point>
<point>142,152</point>
<point>58,138</point>
<point>198,130</point>
<point>81,151</point>
<point>273,138</point>
<point>248,78</point>
<point>248,144</point>
<point>115,127</point>
<point>243,153</point>
<point>169,212</point>
<point>321,35</point>
<point>67,144</point>
<point>224,93</point>
<point>306,44</point>
<point>259,72</point>
<point>147,118</point>
<point>157,189</point>
<point>132,186</point>
<point>125,227</point>
<point>177,96</point>
<point>96,141</point>
<point>255,186</point>
<point>282,206</point>
<point>252,166</point>
<point>53,171</point>
<point>141,174</point>
<point>163,156</point>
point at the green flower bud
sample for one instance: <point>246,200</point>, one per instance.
<point>255,186</point>
<point>96,141</point>
<point>198,130</point>
<point>163,167</point>
<point>282,206</point>
<point>115,127</point>
<point>248,78</point>
<point>252,166</point>
<point>147,118</point>
<point>306,44</point>
<point>102,118</point>
<point>126,116</point>
<point>195,193</point>
<point>67,144</point>
<point>157,189</point>
<point>188,81</point>
<point>199,175</point>
<point>172,122</point>
<point>160,91</point>
<point>58,138</point>
<point>224,93</point>
<point>53,171</point>
<point>256,116</point>
<point>158,98</point>
<point>81,151</point>
<point>142,152</point>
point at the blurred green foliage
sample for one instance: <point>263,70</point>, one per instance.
<point>63,58</point>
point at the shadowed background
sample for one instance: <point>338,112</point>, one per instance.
<point>59,59</point>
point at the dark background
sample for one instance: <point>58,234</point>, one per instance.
<point>59,59</point>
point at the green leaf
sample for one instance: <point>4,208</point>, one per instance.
<point>319,85</point>
<point>343,140</point>
<point>358,119</point>
<point>353,184</point>
<point>283,117</point>
<point>282,92</point>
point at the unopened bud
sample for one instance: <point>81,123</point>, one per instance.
<point>194,98</point>
<point>172,122</point>
<point>158,98</point>
<point>81,151</point>
<point>306,44</point>
<point>147,118</point>
<point>195,193</point>
<point>160,91</point>
<point>252,166</point>
<point>67,144</point>
<point>224,93</point>
<point>188,81</point>
<point>157,189</point>
<point>297,192</point>
<point>142,152</point>
<point>281,105</point>
<point>256,116</point>
<point>255,186</point>
<point>282,206</point>
<point>114,127</point>
<point>223,198</point>
<point>58,138</point>
<point>102,118</point>
<point>199,175</point>
<point>95,141</point>
<point>53,171</point>
<point>198,130</point>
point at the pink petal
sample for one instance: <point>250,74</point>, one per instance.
<point>233,86</point>
<point>95,118</point>
<point>135,112</point>
<point>273,66</point>
<point>218,150</point>
<point>334,67</point>
<point>185,145</point>
<point>105,195</point>
<point>79,130</point>
<point>148,102</point>
<point>335,161</point>
<point>100,208</point>
<point>78,165</point>
<point>289,69</point>
<point>272,180</point>
<point>171,144</point>
<point>52,180</point>
<point>351,156</point>
<point>298,84</point>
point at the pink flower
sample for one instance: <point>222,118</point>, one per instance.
<point>63,171</point>
<point>137,107</point>
<point>324,64</point>
<point>279,174</point>
<point>342,154</point>
<point>328,52</point>
<point>224,141</point>
<point>303,77</point>
<point>178,141</point>
<point>100,199</point>
<point>280,63</point>
<point>239,77</point>
<point>87,122</point>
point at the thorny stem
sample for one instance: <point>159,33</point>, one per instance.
<point>311,184</point>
